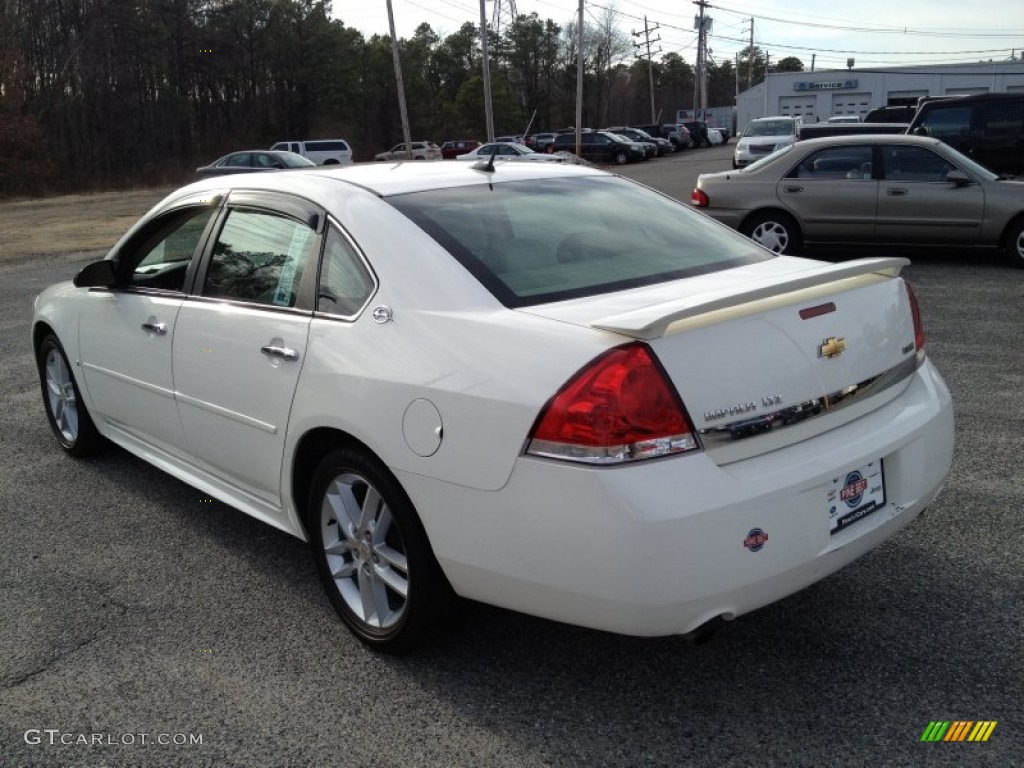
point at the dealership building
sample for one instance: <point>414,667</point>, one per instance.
<point>816,96</point>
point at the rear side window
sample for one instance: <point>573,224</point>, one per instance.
<point>1002,119</point>
<point>326,146</point>
<point>345,281</point>
<point>531,242</point>
<point>848,162</point>
<point>945,123</point>
<point>260,257</point>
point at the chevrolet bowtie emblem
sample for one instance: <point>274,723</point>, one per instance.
<point>832,347</point>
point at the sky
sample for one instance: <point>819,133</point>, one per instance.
<point>874,33</point>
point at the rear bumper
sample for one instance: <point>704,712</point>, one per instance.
<point>659,548</point>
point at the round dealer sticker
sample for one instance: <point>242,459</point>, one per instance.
<point>755,540</point>
<point>853,489</point>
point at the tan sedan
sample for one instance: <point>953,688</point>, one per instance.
<point>887,189</point>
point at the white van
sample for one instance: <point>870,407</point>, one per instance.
<point>320,151</point>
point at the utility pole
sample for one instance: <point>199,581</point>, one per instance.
<point>579,80</point>
<point>402,111</point>
<point>650,61</point>
<point>488,107</point>
<point>750,55</point>
<point>702,23</point>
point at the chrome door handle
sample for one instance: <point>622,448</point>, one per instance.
<point>158,328</point>
<point>285,353</point>
<point>794,189</point>
<point>896,192</point>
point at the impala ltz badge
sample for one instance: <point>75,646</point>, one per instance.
<point>832,347</point>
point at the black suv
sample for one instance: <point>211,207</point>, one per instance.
<point>987,127</point>
<point>600,147</point>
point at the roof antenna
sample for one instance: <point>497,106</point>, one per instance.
<point>488,167</point>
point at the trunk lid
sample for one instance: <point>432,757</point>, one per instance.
<point>772,353</point>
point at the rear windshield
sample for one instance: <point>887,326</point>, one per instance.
<point>532,242</point>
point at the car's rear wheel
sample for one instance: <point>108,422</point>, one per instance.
<point>373,555</point>
<point>774,230</point>
<point>1015,244</point>
<point>65,409</point>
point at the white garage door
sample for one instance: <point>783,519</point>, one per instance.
<point>851,104</point>
<point>796,105</point>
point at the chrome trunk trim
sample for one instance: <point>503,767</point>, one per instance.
<point>809,409</point>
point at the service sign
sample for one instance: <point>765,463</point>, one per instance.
<point>825,85</point>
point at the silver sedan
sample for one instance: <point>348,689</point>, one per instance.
<point>503,150</point>
<point>890,189</point>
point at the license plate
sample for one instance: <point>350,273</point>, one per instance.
<point>854,495</point>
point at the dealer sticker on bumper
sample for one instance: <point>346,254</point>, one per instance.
<point>854,495</point>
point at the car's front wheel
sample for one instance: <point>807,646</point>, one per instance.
<point>1015,244</point>
<point>373,555</point>
<point>774,230</point>
<point>621,158</point>
<point>65,409</point>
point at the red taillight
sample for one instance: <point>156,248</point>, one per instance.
<point>699,198</point>
<point>915,312</point>
<point>621,407</point>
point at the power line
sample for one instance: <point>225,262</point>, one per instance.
<point>881,30</point>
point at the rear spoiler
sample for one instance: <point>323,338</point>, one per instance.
<point>652,322</point>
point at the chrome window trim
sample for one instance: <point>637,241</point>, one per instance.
<point>827,404</point>
<point>298,311</point>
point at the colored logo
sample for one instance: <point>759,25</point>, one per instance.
<point>958,730</point>
<point>853,489</point>
<point>755,540</point>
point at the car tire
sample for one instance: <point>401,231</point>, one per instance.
<point>373,555</point>
<point>1015,244</point>
<point>774,230</point>
<point>621,158</point>
<point>65,409</point>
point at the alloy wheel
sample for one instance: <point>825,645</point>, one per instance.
<point>61,398</point>
<point>365,552</point>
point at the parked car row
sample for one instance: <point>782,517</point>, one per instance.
<point>619,144</point>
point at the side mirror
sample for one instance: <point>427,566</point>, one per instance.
<point>99,274</point>
<point>958,178</point>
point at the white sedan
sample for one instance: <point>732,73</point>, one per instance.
<point>543,387</point>
<point>507,151</point>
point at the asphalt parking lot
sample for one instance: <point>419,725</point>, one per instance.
<point>142,624</point>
